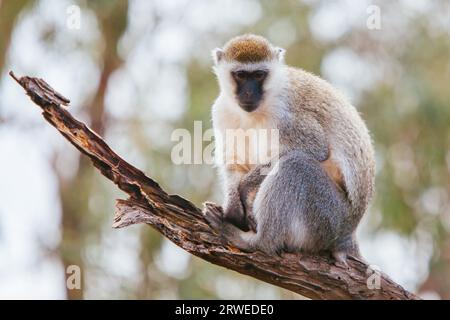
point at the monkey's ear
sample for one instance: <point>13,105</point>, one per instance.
<point>280,53</point>
<point>217,55</point>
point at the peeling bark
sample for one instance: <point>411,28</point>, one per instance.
<point>312,276</point>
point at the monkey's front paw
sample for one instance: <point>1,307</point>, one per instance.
<point>213,215</point>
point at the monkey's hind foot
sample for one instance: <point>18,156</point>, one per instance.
<point>340,259</point>
<point>213,215</point>
<point>228,233</point>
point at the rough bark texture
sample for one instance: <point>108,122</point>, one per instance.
<point>315,277</point>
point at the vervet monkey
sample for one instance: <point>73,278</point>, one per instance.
<point>314,197</point>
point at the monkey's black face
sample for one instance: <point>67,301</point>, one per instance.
<point>249,88</point>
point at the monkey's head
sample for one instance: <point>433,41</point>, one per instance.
<point>247,68</point>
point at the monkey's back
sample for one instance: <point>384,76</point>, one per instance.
<point>349,143</point>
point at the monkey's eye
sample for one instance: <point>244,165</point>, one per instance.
<point>240,75</point>
<point>260,75</point>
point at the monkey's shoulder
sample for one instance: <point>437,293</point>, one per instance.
<point>311,92</point>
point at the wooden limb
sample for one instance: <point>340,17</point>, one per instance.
<point>315,277</point>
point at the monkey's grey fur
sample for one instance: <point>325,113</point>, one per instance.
<point>324,178</point>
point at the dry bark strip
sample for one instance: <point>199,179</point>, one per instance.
<point>179,220</point>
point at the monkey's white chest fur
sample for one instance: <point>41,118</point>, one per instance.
<point>243,140</point>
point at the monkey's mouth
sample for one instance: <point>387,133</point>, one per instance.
<point>249,107</point>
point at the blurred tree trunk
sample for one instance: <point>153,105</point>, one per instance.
<point>9,10</point>
<point>112,16</point>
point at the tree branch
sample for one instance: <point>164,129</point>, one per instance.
<point>182,222</point>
